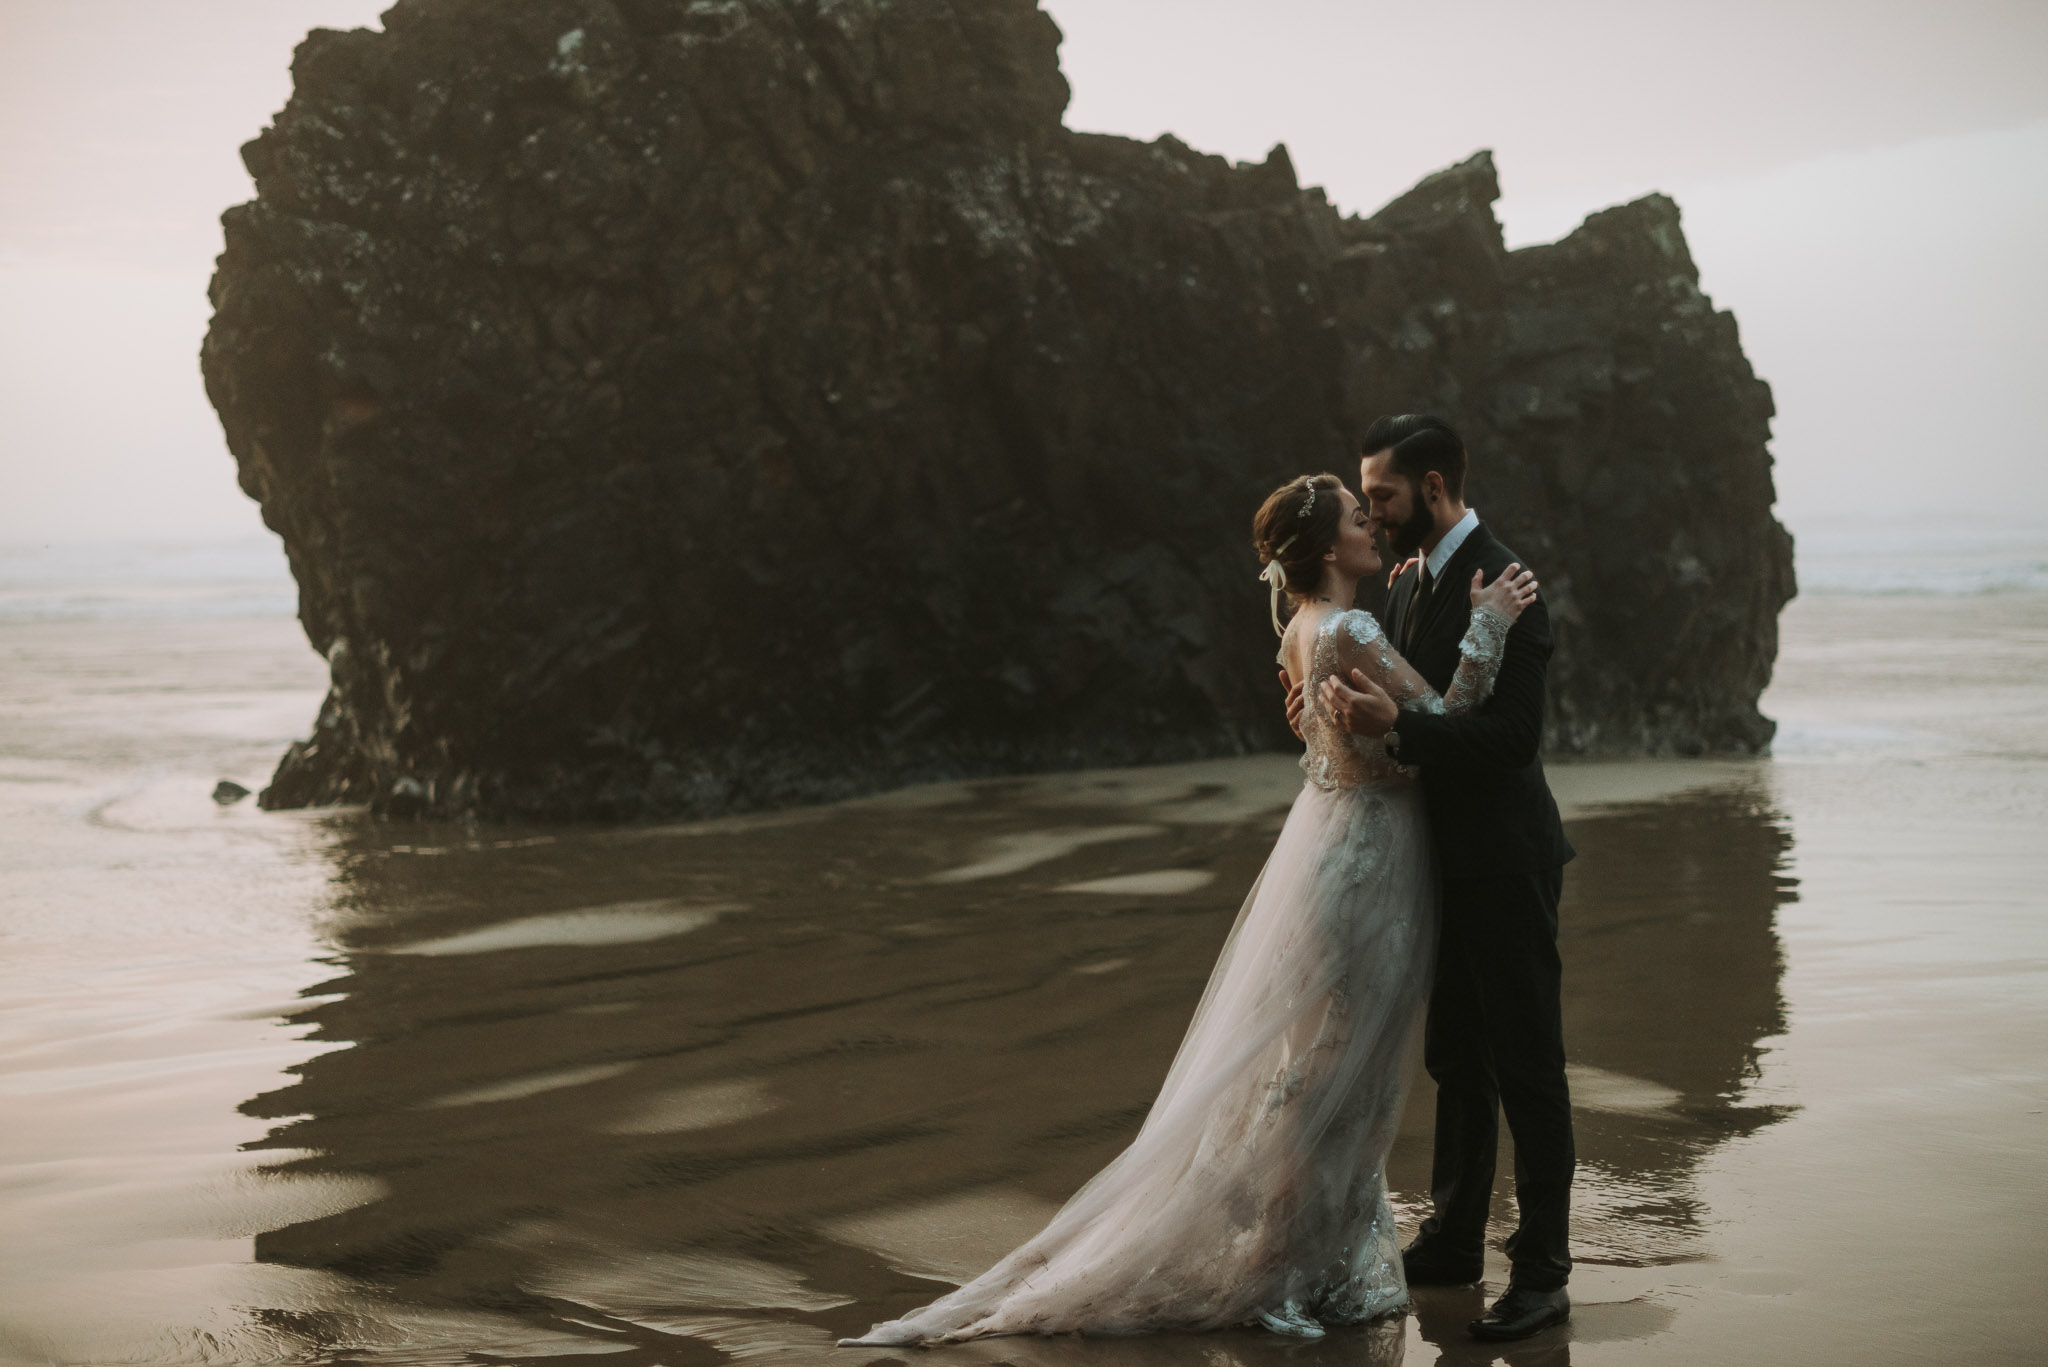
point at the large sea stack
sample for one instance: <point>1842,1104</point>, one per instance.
<point>675,406</point>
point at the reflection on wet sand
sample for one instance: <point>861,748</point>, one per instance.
<point>1673,962</point>
<point>689,1096</point>
<point>681,1138</point>
<point>1672,973</point>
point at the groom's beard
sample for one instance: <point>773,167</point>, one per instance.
<point>1406,537</point>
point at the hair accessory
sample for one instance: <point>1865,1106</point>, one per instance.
<point>1276,574</point>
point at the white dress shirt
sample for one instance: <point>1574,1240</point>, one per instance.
<point>1448,545</point>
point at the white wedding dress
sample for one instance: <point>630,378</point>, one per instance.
<point>1255,1191</point>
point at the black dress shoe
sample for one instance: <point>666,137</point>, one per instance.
<point>1425,1266</point>
<point>1522,1312</point>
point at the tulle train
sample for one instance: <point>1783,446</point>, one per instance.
<point>1256,1185</point>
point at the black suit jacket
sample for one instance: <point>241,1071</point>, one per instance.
<point>1490,808</point>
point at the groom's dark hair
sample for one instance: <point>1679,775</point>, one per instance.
<point>1420,443</point>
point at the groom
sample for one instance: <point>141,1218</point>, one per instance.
<point>1494,1037</point>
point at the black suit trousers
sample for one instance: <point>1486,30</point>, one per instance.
<point>1494,1041</point>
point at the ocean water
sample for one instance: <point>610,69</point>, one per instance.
<point>126,581</point>
<point>1866,559</point>
<point>310,1087</point>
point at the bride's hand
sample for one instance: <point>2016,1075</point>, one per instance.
<point>1507,595</point>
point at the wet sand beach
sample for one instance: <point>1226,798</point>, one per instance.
<point>310,1087</point>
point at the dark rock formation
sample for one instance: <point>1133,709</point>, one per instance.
<point>673,407</point>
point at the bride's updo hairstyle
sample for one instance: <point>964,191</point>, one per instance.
<point>1292,531</point>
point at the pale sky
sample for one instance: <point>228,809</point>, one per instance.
<point>1865,184</point>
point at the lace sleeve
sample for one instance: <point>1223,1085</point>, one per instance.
<point>1479,656</point>
<point>1361,644</point>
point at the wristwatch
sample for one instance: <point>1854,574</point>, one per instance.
<point>1392,742</point>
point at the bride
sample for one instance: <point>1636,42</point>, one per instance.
<point>1255,1191</point>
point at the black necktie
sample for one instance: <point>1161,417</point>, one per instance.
<point>1415,607</point>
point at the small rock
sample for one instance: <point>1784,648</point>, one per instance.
<point>227,792</point>
<point>407,797</point>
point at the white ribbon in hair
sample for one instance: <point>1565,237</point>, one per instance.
<point>1275,574</point>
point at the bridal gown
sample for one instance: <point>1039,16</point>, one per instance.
<point>1255,1191</point>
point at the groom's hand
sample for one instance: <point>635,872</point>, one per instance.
<point>1361,707</point>
<point>1296,701</point>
